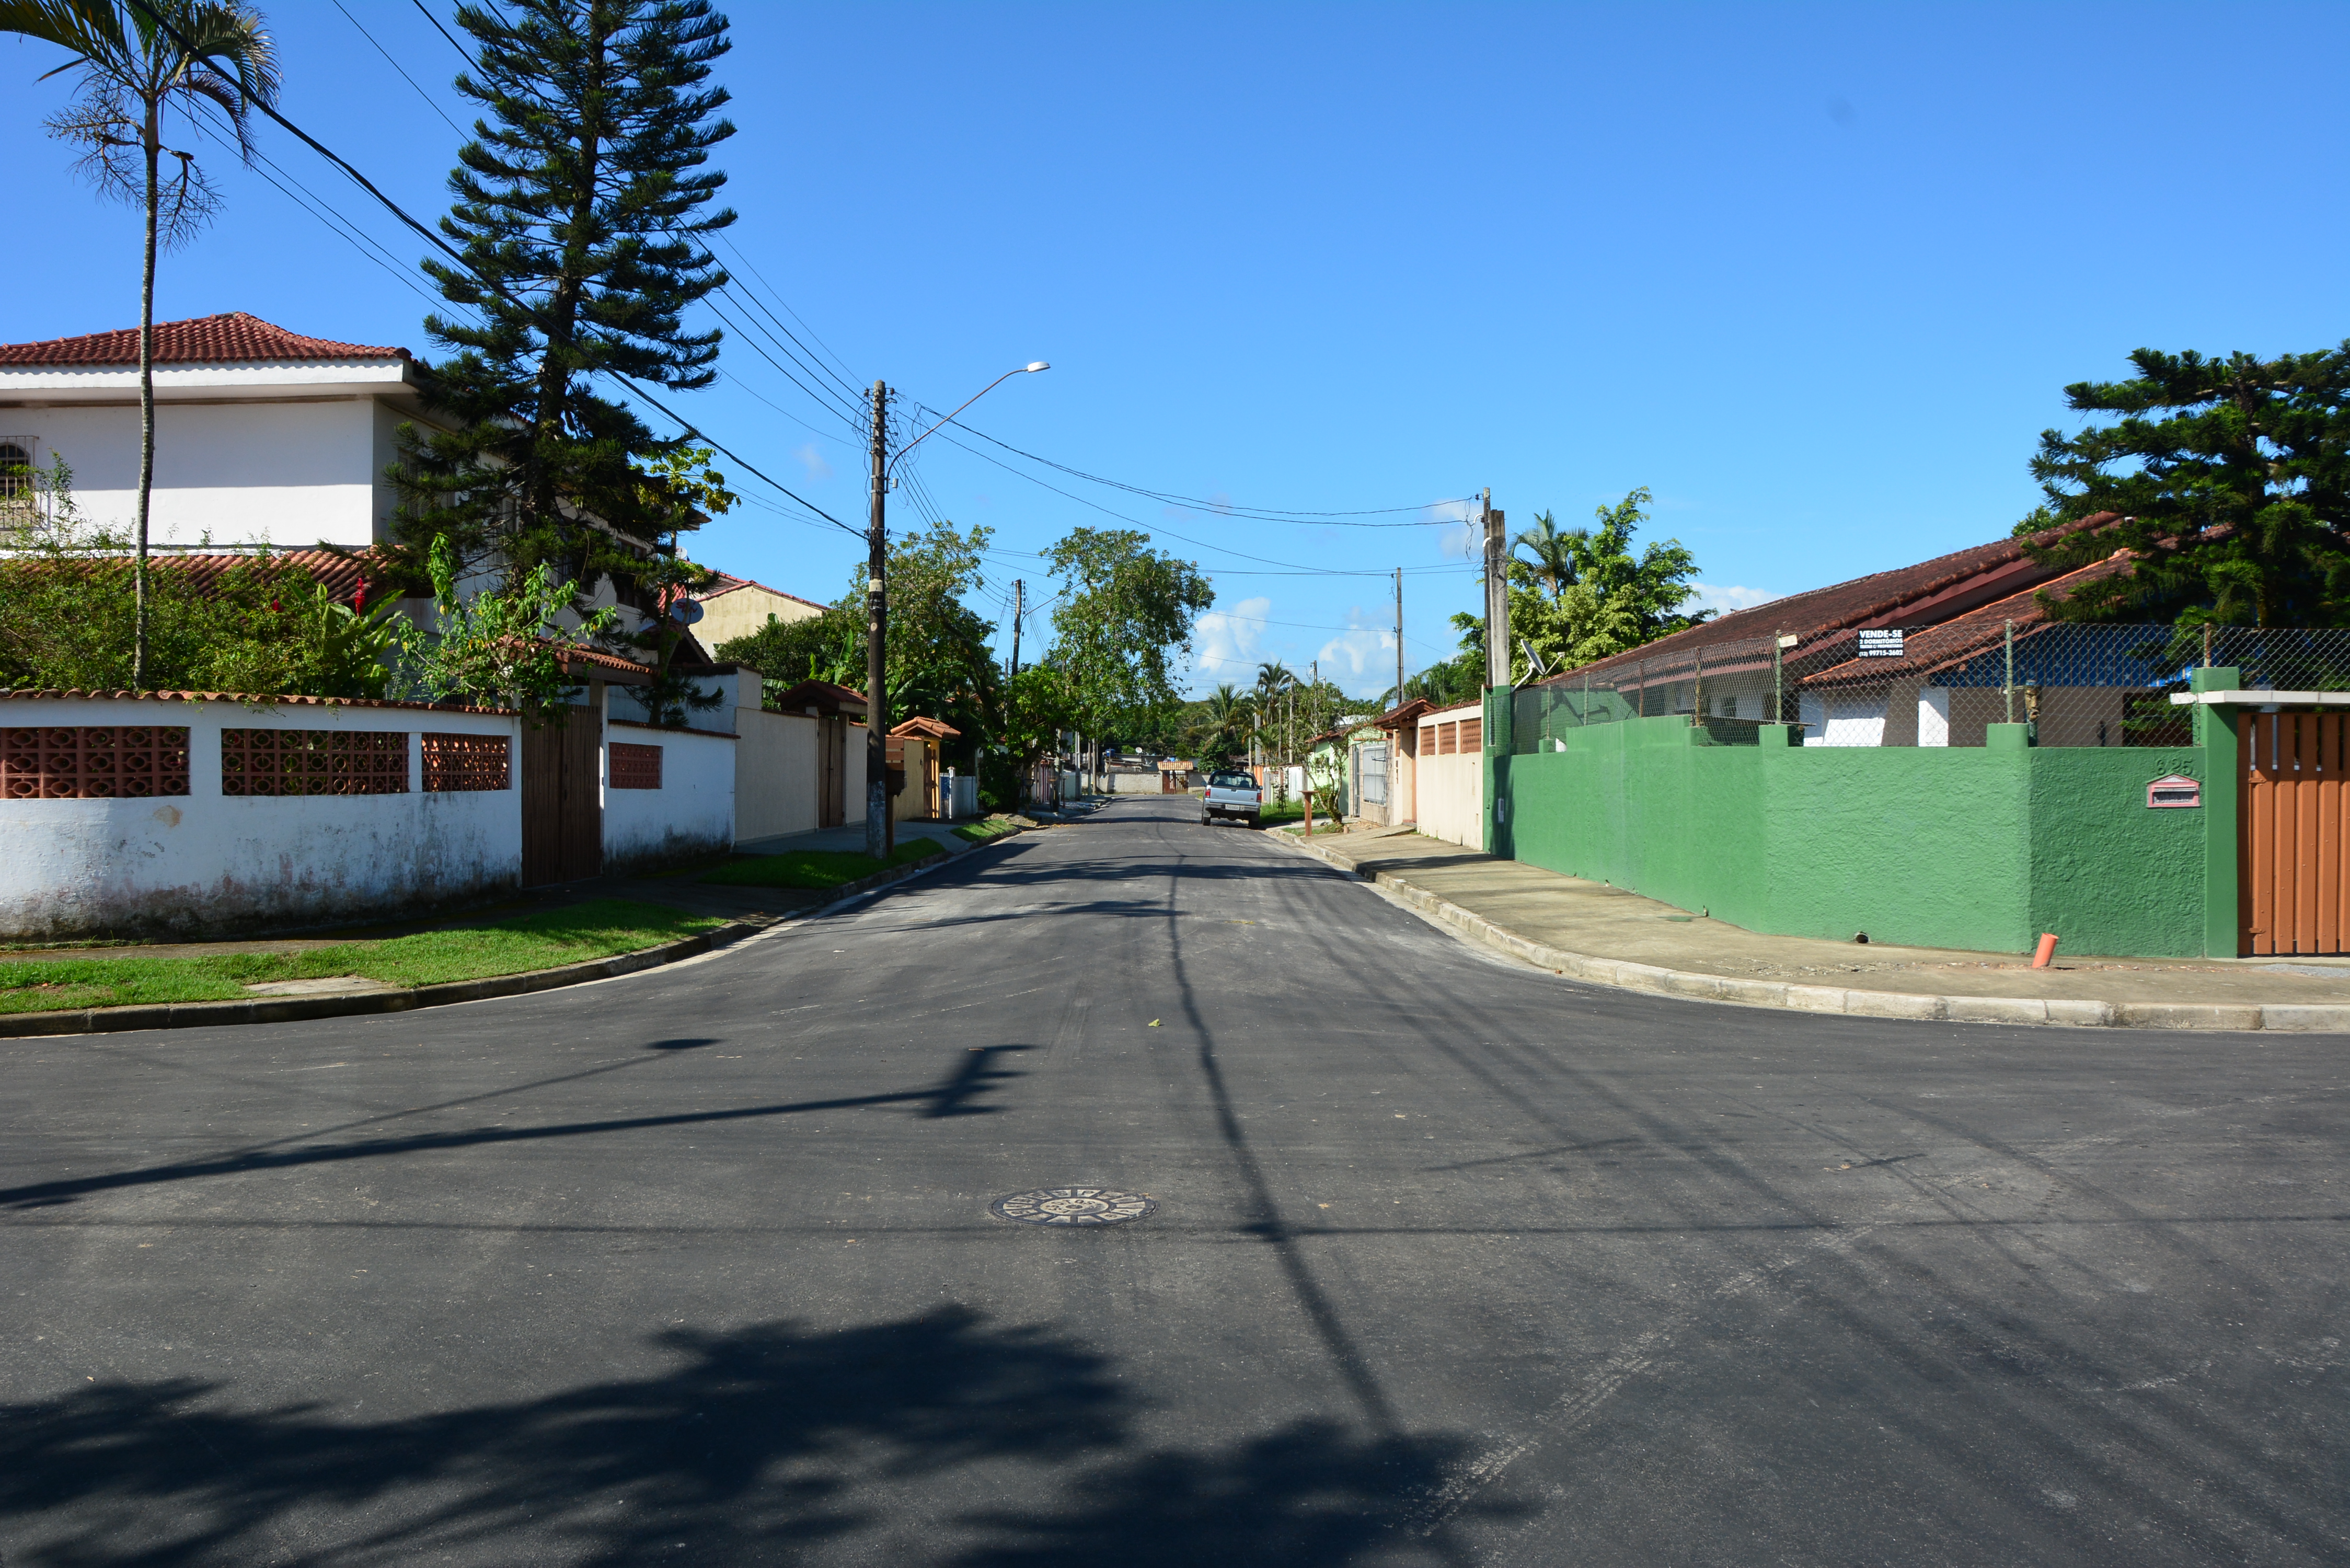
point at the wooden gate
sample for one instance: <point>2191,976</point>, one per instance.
<point>832,772</point>
<point>562,799</point>
<point>2292,895</point>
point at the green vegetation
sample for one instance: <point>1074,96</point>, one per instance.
<point>2227,481</point>
<point>547,940</point>
<point>815,867</point>
<point>982,831</point>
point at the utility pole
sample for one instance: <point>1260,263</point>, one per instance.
<point>1497,594</point>
<point>1399,636</point>
<point>1019,608</point>
<point>878,826</point>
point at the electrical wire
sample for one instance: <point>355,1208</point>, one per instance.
<point>691,430</point>
<point>1255,513</point>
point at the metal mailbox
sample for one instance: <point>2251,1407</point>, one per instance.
<point>2177,790</point>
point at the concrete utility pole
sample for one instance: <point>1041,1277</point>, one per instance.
<point>878,825</point>
<point>1497,593</point>
<point>1399,636</point>
<point>1019,608</point>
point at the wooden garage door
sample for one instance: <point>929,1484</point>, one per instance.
<point>2291,840</point>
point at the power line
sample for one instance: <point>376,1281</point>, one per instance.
<point>1258,513</point>
<point>411,80</point>
<point>690,429</point>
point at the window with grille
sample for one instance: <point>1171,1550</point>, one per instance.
<point>1473,734</point>
<point>16,471</point>
<point>465,762</point>
<point>314,762</point>
<point>1448,739</point>
<point>93,762</point>
<point>636,767</point>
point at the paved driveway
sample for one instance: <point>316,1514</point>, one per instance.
<point>1452,1263</point>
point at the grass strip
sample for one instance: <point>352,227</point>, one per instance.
<point>983,831</point>
<point>547,938</point>
<point>816,868</point>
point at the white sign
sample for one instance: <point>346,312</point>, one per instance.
<point>1881,644</point>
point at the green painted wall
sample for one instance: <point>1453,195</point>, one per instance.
<point>1966,848</point>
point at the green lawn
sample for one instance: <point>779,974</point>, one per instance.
<point>546,939</point>
<point>990,828</point>
<point>813,868</point>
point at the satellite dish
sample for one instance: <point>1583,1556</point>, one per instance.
<point>685,612</point>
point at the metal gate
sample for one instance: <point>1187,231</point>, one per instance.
<point>2292,895</point>
<point>1373,761</point>
<point>562,798</point>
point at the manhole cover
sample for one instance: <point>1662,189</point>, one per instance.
<point>1072,1206</point>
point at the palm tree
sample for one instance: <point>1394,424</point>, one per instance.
<point>136,62</point>
<point>1228,715</point>
<point>1273,680</point>
<point>1554,553</point>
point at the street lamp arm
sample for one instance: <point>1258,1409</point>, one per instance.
<point>967,402</point>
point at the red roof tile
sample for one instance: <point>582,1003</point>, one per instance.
<point>207,339</point>
<point>248,698</point>
<point>1927,594</point>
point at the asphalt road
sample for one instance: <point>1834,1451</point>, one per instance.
<point>1452,1262</point>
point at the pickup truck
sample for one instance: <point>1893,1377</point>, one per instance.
<point>1230,794</point>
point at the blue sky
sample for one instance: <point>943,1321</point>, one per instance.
<point>1816,275</point>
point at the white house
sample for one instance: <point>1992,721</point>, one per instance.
<point>262,435</point>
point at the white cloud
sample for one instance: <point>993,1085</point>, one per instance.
<point>1361,660</point>
<point>812,460</point>
<point>1722,598</point>
<point>1225,642</point>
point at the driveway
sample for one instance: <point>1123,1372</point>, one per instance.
<point>1450,1261</point>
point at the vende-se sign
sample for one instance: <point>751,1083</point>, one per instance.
<point>1880,644</point>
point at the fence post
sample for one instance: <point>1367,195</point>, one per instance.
<point>2010,687</point>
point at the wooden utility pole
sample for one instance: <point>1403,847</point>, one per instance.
<point>1497,593</point>
<point>878,826</point>
<point>1019,608</point>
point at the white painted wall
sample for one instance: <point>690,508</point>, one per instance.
<point>1844,718</point>
<point>200,863</point>
<point>293,475</point>
<point>1453,788</point>
<point>1934,716</point>
<point>691,814</point>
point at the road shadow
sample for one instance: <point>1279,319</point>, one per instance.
<point>762,1444</point>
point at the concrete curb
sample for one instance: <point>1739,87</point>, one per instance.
<point>1924,1007</point>
<point>302,1009</point>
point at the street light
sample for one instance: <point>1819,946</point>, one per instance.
<point>880,831</point>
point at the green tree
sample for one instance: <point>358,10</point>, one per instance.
<point>500,649</point>
<point>137,66</point>
<point>2232,480</point>
<point>1613,598</point>
<point>1553,557</point>
<point>1226,717</point>
<point>825,647</point>
<point>69,616</point>
<point>1126,619</point>
<point>580,210</point>
<point>1025,718</point>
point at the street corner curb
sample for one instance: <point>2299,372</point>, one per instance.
<point>304,1009</point>
<point>1624,974</point>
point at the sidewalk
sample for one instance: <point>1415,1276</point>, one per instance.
<point>1590,931</point>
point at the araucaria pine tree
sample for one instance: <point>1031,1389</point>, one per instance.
<point>2231,480</point>
<point>581,209</point>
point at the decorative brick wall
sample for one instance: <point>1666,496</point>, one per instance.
<point>93,762</point>
<point>314,762</point>
<point>635,767</point>
<point>465,762</point>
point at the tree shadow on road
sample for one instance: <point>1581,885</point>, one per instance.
<point>762,1444</point>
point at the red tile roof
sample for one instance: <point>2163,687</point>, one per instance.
<point>207,339</point>
<point>342,576</point>
<point>823,695</point>
<point>937,730</point>
<point>1953,642</point>
<point>1928,594</point>
<point>276,698</point>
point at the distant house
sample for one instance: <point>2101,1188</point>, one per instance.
<point>260,435</point>
<point>736,606</point>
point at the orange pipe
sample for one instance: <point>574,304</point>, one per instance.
<point>2046,950</point>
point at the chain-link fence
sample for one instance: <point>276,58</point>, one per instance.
<point>2080,685</point>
